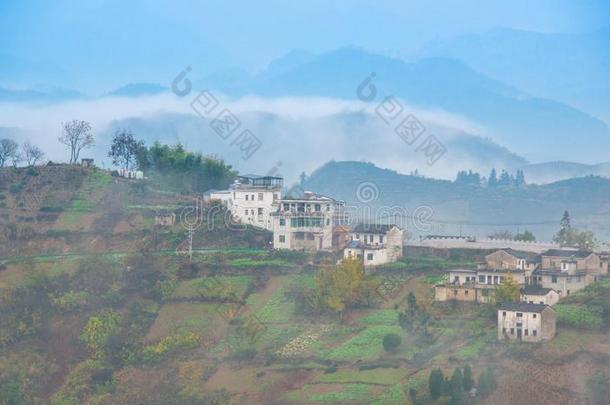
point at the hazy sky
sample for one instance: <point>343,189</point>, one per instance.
<point>96,44</point>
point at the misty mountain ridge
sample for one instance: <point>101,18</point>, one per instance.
<point>461,208</point>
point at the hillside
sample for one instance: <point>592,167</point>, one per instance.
<point>469,209</point>
<point>99,306</point>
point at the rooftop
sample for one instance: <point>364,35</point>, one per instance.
<point>374,228</point>
<point>523,307</point>
<point>462,271</point>
<point>309,196</point>
<point>528,256</point>
<point>535,290</point>
<point>581,254</point>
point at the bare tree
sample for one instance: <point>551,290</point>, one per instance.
<point>9,150</point>
<point>76,136</point>
<point>32,153</point>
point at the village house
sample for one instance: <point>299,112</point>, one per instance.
<point>251,199</point>
<point>165,219</point>
<point>513,259</point>
<point>526,322</point>
<point>564,282</point>
<point>375,244</point>
<point>475,285</point>
<point>585,260</point>
<point>539,295</point>
<point>307,222</point>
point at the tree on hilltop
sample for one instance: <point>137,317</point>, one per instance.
<point>76,137</point>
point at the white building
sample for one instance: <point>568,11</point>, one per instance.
<point>539,295</point>
<point>251,199</point>
<point>306,222</point>
<point>526,322</point>
<point>375,244</point>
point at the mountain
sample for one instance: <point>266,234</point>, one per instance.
<point>539,127</point>
<point>570,67</point>
<point>554,171</point>
<point>457,208</point>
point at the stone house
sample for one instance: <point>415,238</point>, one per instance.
<point>165,218</point>
<point>87,162</point>
<point>584,260</point>
<point>513,259</point>
<point>475,285</point>
<point>526,322</point>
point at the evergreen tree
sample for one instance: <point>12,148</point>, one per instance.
<point>504,179</point>
<point>467,378</point>
<point>520,178</point>
<point>457,382</point>
<point>436,383</point>
<point>487,382</point>
<point>492,181</point>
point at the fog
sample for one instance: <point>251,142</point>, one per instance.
<point>297,134</point>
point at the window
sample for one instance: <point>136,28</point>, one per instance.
<point>454,292</point>
<point>482,279</point>
<point>519,315</point>
<point>504,313</point>
<point>380,238</point>
<point>260,196</point>
<point>317,207</point>
<point>456,279</point>
<point>282,238</point>
<point>534,332</point>
<point>512,331</point>
<point>275,196</point>
<point>369,256</point>
<point>568,292</point>
<point>286,207</point>
<point>358,236</point>
<point>247,197</point>
<point>252,198</point>
<point>260,211</point>
<point>310,236</point>
<point>485,293</point>
<point>305,221</point>
<point>526,332</point>
<point>534,315</point>
<point>246,212</point>
<point>465,292</point>
<point>327,221</point>
<point>299,235</point>
<point>282,222</point>
<point>553,279</point>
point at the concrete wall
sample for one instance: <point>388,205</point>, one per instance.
<point>509,329</point>
<point>482,243</point>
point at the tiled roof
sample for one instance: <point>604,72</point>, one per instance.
<point>567,253</point>
<point>523,307</point>
<point>535,290</point>
<point>529,256</point>
<point>373,228</point>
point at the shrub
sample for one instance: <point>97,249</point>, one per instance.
<point>578,316</point>
<point>391,341</point>
<point>168,344</point>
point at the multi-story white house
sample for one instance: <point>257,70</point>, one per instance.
<point>306,222</point>
<point>526,322</point>
<point>251,199</point>
<point>375,244</point>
